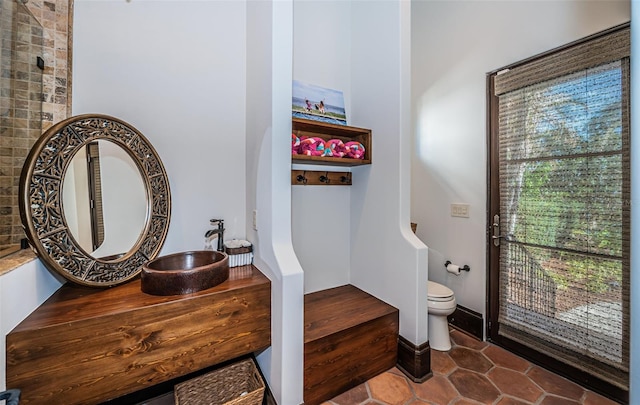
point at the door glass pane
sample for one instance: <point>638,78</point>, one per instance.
<point>563,189</point>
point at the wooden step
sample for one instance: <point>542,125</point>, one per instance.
<point>349,337</point>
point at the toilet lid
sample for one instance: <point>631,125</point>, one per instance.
<point>438,292</point>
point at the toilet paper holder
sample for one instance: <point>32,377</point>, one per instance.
<point>462,268</point>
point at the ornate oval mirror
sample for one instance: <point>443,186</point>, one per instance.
<point>95,200</point>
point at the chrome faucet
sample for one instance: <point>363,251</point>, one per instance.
<point>219,231</point>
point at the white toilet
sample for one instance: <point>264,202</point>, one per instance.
<point>441,304</point>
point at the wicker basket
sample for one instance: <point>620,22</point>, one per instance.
<point>237,384</point>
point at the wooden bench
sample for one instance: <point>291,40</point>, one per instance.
<point>349,337</point>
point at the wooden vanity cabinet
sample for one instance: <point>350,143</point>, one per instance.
<point>87,346</point>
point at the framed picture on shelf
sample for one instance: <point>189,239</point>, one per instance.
<point>318,103</point>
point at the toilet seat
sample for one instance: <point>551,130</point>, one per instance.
<point>438,293</point>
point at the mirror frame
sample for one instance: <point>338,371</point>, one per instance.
<point>41,210</point>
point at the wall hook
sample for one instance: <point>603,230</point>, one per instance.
<point>302,178</point>
<point>325,178</point>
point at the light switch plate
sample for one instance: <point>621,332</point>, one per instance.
<point>460,210</point>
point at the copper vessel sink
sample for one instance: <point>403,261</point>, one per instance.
<point>185,272</point>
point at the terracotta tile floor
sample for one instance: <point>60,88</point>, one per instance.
<point>472,373</point>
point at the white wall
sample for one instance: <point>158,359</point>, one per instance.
<point>387,260</point>
<point>22,291</point>
<point>322,45</point>
<point>454,45</point>
<point>320,214</point>
<point>269,77</point>
<point>175,70</point>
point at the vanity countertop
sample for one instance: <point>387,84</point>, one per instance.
<point>86,345</point>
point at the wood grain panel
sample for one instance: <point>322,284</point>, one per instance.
<point>414,361</point>
<point>467,320</point>
<point>85,346</point>
<point>350,336</point>
<point>335,309</point>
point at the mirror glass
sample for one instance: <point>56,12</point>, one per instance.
<point>94,200</point>
<point>104,200</point>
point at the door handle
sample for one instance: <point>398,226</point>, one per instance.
<point>496,231</point>
<point>496,239</point>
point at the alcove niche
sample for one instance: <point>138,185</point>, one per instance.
<point>360,234</point>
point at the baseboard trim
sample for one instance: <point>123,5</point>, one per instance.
<point>414,361</point>
<point>468,321</point>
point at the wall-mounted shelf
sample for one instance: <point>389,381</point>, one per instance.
<point>326,131</point>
